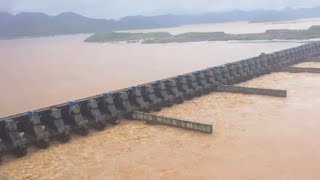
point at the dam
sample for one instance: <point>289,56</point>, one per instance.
<point>40,127</point>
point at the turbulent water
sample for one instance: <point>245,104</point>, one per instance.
<point>255,137</point>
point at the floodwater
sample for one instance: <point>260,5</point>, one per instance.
<point>255,137</point>
<point>241,27</point>
<point>41,72</point>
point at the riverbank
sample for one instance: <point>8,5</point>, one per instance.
<point>165,37</point>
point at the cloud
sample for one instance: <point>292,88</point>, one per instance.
<point>119,8</point>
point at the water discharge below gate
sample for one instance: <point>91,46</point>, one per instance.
<point>255,136</point>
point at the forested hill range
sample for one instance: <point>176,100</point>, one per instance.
<point>40,24</point>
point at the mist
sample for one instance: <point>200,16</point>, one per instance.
<point>121,8</point>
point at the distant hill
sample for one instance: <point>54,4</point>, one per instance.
<point>39,24</point>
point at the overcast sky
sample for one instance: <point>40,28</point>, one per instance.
<point>120,8</point>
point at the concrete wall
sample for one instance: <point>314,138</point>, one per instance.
<point>149,118</point>
<point>302,70</point>
<point>258,91</point>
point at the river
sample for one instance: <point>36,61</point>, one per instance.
<point>241,27</point>
<point>42,72</point>
<point>254,137</point>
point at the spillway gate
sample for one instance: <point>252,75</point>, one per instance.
<point>39,127</point>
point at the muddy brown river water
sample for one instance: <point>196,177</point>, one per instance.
<point>41,72</point>
<point>255,137</point>
<point>238,27</point>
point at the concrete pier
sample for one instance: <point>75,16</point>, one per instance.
<point>109,107</point>
<point>302,70</point>
<point>152,119</point>
<point>314,59</point>
<point>257,91</point>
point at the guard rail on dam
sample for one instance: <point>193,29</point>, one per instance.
<point>38,127</point>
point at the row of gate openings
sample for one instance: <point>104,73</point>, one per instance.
<point>37,127</point>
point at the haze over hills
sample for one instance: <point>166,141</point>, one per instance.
<point>40,24</point>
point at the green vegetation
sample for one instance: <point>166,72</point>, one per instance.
<point>163,37</point>
<point>128,37</point>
